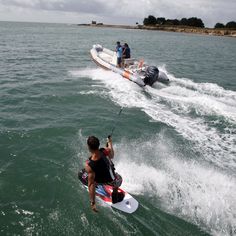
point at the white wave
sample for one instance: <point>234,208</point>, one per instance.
<point>185,100</point>
<point>205,88</point>
<point>88,92</point>
<point>197,193</point>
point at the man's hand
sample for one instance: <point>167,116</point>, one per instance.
<point>109,139</point>
<point>110,147</point>
<point>94,208</point>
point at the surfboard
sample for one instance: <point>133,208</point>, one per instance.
<point>104,193</point>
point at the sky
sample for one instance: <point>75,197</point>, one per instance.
<point>116,12</point>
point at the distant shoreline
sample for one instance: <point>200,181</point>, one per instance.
<point>178,29</point>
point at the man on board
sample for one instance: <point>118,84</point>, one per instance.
<point>100,170</point>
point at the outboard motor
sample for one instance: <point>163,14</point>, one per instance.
<point>151,75</point>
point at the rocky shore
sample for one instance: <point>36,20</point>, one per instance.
<point>179,29</point>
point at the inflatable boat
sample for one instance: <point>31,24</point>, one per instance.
<point>134,70</point>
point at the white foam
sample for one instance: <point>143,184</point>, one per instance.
<point>84,220</point>
<point>24,212</point>
<point>88,92</point>
<point>195,192</point>
<point>186,101</point>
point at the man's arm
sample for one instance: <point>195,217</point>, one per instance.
<point>91,187</point>
<point>124,52</point>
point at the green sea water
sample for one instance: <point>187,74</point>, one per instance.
<point>175,145</point>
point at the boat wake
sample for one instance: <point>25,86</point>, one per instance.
<point>186,188</point>
<point>204,114</point>
<point>199,189</point>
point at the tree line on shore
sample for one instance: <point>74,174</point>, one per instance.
<point>229,25</point>
<point>192,22</point>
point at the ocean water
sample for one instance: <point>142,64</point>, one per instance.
<point>175,145</point>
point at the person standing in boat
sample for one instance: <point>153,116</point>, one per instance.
<point>119,52</point>
<point>126,51</point>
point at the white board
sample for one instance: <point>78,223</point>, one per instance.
<point>128,205</point>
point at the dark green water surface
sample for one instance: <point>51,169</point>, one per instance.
<point>175,145</point>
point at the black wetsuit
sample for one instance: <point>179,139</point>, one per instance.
<point>103,169</point>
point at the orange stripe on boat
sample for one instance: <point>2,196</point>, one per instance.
<point>126,74</point>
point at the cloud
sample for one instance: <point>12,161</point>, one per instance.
<point>130,10</point>
<point>82,6</point>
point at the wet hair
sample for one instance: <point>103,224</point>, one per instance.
<point>93,143</point>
